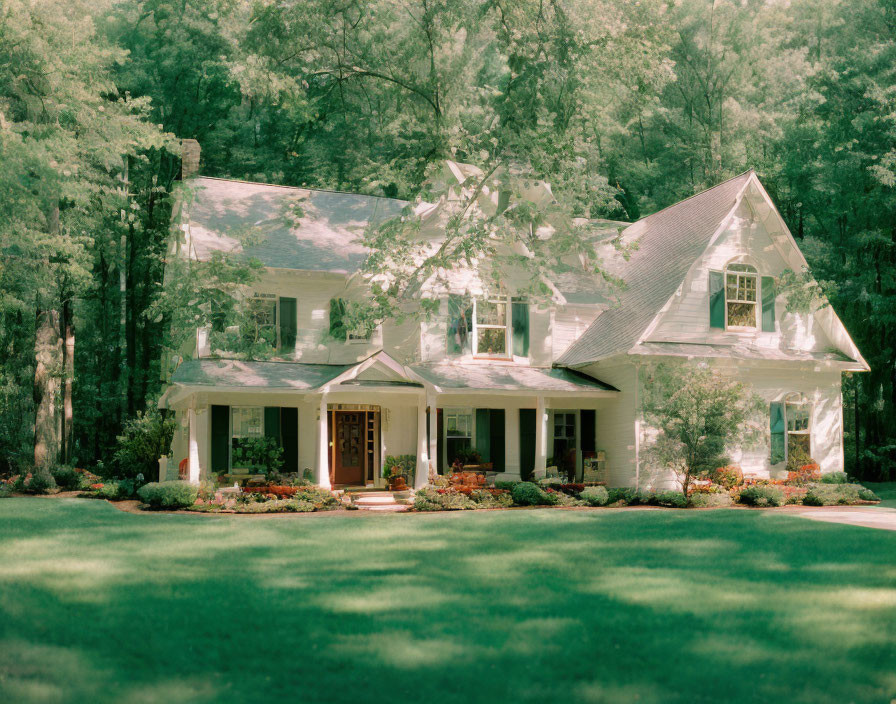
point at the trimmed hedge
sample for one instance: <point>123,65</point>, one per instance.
<point>703,500</point>
<point>762,496</point>
<point>176,494</point>
<point>529,494</point>
<point>595,495</point>
<point>837,494</point>
<point>835,478</point>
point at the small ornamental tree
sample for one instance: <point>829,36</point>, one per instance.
<point>698,413</point>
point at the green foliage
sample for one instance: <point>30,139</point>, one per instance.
<point>400,465</point>
<point>835,478</point>
<point>39,481</point>
<point>529,494</point>
<point>67,478</point>
<point>261,455</point>
<point>505,485</point>
<point>431,500</point>
<point>168,495</point>
<point>144,439</point>
<point>595,496</point>
<point>672,499</point>
<point>698,412</point>
<point>833,494</point>
<point>762,496</point>
<point>703,500</point>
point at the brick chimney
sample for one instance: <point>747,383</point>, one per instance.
<point>189,159</point>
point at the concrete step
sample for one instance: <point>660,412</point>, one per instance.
<point>373,500</point>
<point>393,508</point>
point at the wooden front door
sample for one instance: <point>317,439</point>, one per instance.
<point>348,447</point>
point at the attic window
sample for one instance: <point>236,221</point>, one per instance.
<point>741,295</point>
<point>490,326</point>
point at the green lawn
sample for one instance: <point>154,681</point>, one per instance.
<point>885,490</point>
<point>516,606</point>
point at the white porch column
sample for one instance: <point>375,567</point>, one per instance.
<point>323,445</point>
<point>421,476</point>
<point>433,454</point>
<point>193,448</point>
<point>541,434</point>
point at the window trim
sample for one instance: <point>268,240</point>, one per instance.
<point>457,410</point>
<point>230,442</point>
<point>757,308</point>
<point>796,398</point>
<point>259,296</point>
<point>508,339</point>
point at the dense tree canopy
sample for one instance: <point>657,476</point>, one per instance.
<point>624,107</point>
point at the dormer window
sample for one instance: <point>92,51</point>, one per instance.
<point>741,296</point>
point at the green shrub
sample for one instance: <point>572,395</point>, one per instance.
<point>624,495</point>
<point>529,494</point>
<point>762,496</point>
<point>66,477</point>
<point>505,485</point>
<point>485,499</point>
<point>702,500</point>
<point>672,499</point>
<point>40,481</point>
<point>175,494</point>
<point>261,455</point>
<point>432,500</point>
<point>835,478</point>
<point>832,494</point>
<point>143,440</point>
<point>865,494</point>
<point>595,496</point>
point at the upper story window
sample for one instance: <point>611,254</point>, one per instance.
<point>496,328</point>
<point>741,289</point>
<point>260,324</point>
<point>340,326</point>
<point>741,300</point>
<point>490,328</point>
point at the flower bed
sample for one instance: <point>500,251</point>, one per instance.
<point>266,499</point>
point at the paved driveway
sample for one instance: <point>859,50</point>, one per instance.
<point>867,516</point>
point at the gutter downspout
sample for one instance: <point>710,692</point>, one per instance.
<point>637,425</point>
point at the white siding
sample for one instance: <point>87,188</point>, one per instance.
<point>687,317</point>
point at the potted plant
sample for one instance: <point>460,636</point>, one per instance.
<point>399,470</point>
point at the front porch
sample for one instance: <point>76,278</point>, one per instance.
<point>344,424</point>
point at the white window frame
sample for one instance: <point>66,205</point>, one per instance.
<point>457,411</point>
<point>797,399</point>
<point>232,436</point>
<point>756,304</point>
<point>276,301</point>
<point>508,341</point>
<point>577,429</point>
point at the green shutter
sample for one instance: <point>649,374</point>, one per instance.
<point>272,422</point>
<point>588,430</point>
<point>716,299</point>
<point>483,434</point>
<point>768,304</point>
<point>288,324</point>
<point>527,442</point>
<point>289,429</point>
<point>337,319</point>
<point>520,325</point>
<point>220,445</point>
<point>460,327</point>
<point>496,438</point>
<point>778,431</point>
<point>440,441</point>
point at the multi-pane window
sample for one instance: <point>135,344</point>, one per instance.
<point>260,324</point>
<point>741,296</point>
<point>490,328</point>
<point>799,437</point>
<point>565,442</point>
<point>458,432</point>
<point>245,422</point>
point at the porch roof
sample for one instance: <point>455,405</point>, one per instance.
<point>505,377</point>
<point>743,350</point>
<point>257,375</point>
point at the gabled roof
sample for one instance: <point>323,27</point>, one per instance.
<point>668,243</point>
<point>281,226</point>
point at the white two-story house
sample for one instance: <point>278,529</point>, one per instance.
<point>522,384</point>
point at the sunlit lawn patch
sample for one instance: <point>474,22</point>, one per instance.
<point>523,606</point>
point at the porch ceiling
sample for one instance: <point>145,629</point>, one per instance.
<point>464,378</point>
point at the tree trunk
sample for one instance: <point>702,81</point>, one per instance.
<point>68,373</point>
<point>48,350</point>
<point>122,289</point>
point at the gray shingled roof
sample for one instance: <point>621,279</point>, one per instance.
<point>669,242</point>
<point>505,377</point>
<point>281,226</point>
<point>740,350</point>
<point>260,375</point>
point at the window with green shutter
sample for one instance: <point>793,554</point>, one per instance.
<point>768,304</point>
<point>288,324</point>
<point>483,434</point>
<point>778,431</point>
<point>520,328</point>
<point>716,299</point>
<point>220,444</point>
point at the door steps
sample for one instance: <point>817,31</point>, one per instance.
<point>383,501</point>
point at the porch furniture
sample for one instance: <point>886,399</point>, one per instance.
<point>595,468</point>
